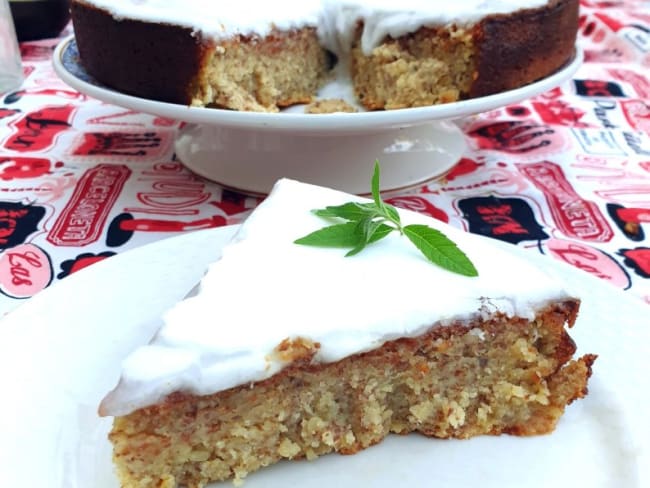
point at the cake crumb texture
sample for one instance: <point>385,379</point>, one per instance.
<point>264,75</point>
<point>329,106</point>
<point>513,377</point>
<point>430,66</point>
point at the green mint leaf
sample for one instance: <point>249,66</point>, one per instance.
<point>374,186</point>
<point>338,235</point>
<point>347,234</point>
<point>392,214</point>
<point>383,208</point>
<point>439,249</point>
<point>353,211</point>
<point>367,223</point>
<point>363,234</point>
<point>380,232</point>
<point>369,231</point>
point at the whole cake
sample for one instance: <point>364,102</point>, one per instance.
<point>291,351</point>
<point>262,56</point>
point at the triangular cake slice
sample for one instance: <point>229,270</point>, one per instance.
<point>291,351</point>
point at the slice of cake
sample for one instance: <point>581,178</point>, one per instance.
<point>291,351</point>
<point>262,56</point>
<point>252,56</point>
<point>419,52</point>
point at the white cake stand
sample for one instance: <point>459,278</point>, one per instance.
<point>249,151</point>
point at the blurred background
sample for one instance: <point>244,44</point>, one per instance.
<point>39,19</point>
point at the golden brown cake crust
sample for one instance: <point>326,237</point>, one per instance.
<point>489,376</point>
<point>139,58</point>
<point>517,49</point>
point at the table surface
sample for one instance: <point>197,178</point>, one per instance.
<point>566,174</point>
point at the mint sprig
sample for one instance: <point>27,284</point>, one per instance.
<point>369,222</point>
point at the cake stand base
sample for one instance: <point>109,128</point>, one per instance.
<point>251,161</point>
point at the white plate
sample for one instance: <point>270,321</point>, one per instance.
<point>60,353</point>
<point>249,151</point>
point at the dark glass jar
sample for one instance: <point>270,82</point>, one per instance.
<point>39,19</point>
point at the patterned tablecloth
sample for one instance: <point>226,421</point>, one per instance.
<point>566,173</point>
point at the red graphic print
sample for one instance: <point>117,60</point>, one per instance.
<point>629,220</point>
<point>636,215</point>
<point>51,92</point>
<point>638,259</point>
<point>589,259</point>
<point>24,167</point>
<point>517,137</point>
<point>501,220</point>
<point>613,24</point>
<point>612,50</point>
<point>637,113</point>
<point>6,112</point>
<point>82,221</point>
<point>37,131</point>
<point>640,84</point>
<point>80,262</point>
<point>24,270</point>
<point>8,222</point>
<point>35,52</point>
<point>125,225</point>
<point>17,222</point>
<point>508,219</point>
<point>464,167</point>
<point>560,112</point>
<point>117,143</point>
<point>419,204</point>
<point>229,208</point>
<point>576,217</point>
<point>158,225</point>
<point>231,203</point>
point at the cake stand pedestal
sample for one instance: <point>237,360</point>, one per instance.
<point>251,161</point>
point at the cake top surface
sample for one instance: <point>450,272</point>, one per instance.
<point>265,289</point>
<point>336,19</point>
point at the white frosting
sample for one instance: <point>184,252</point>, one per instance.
<point>396,18</point>
<point>336,19</point>
<point>265,289</point>
<point>218,19</point>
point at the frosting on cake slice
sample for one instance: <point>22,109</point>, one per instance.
<point>266,289</point>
